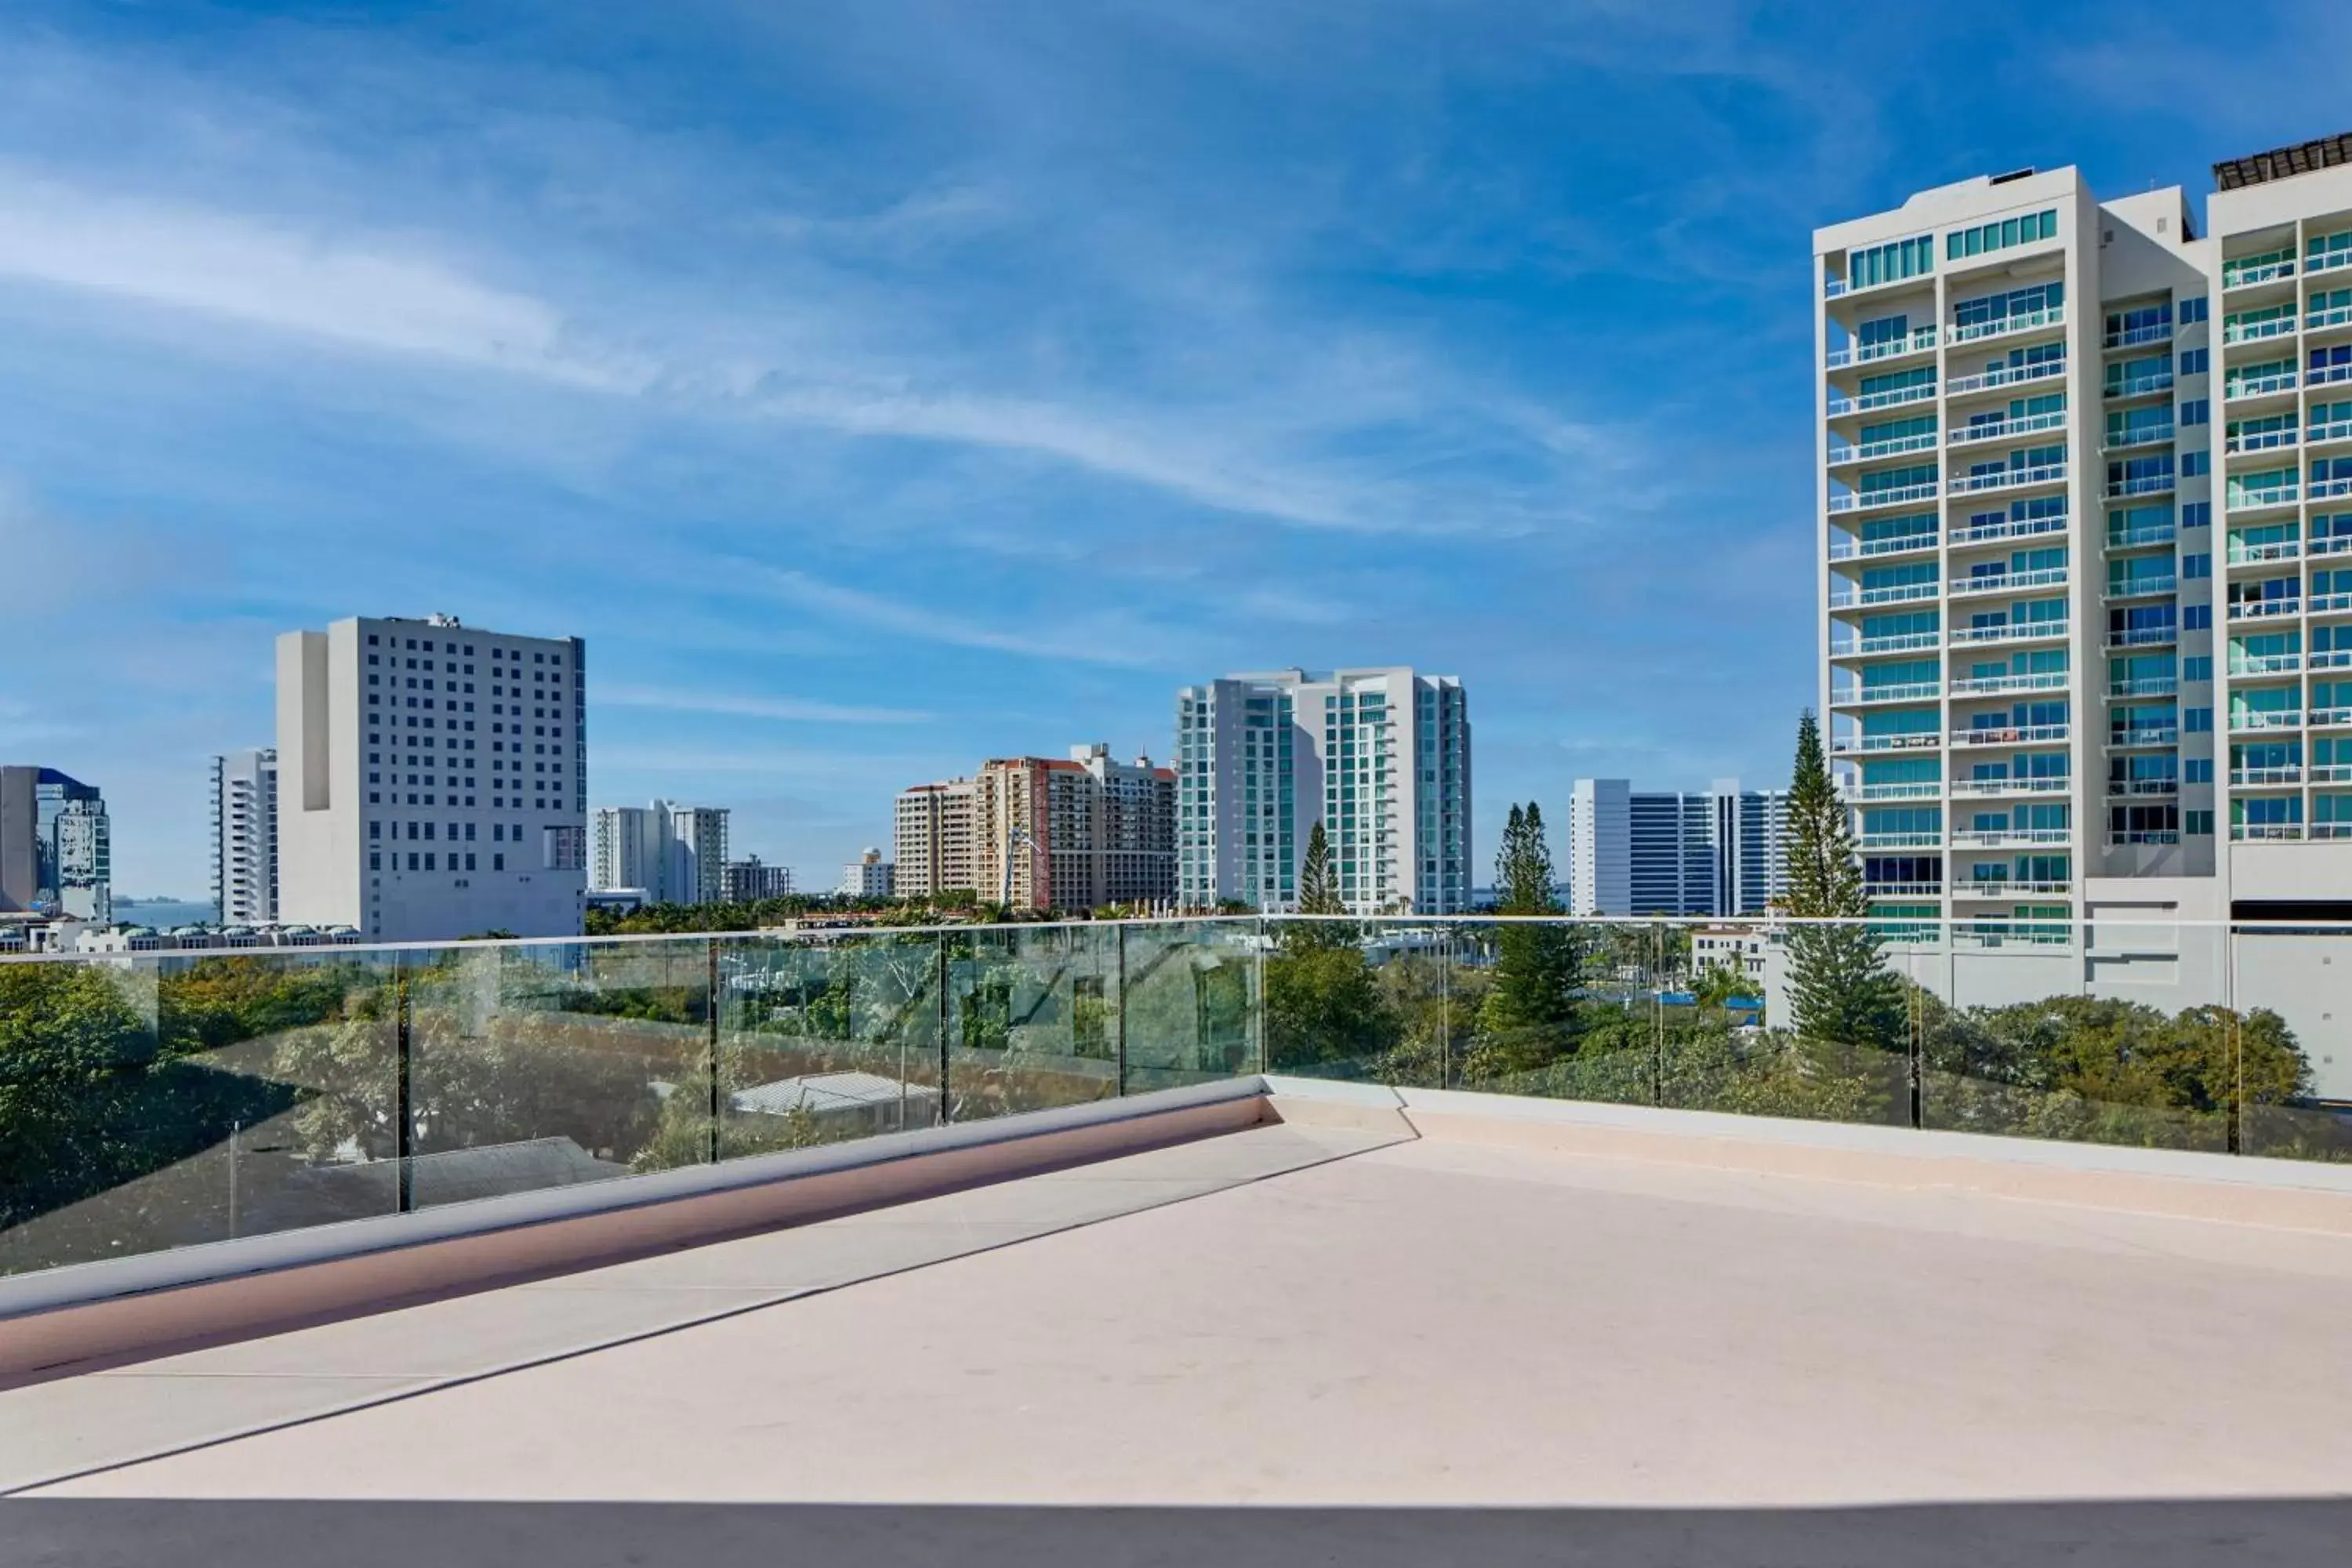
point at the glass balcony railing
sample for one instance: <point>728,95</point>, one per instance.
<point>2266,664</point>
<point>2265,831</point>
<point>1920,340</point>
<point>1993,788</point>
<point>2145,735</point>
<point>2127,438</point>
<point>2330,718</point>
<point>2014,528</point>
<point>2257,498</point>
<point>2143,637</point>
<point>2251,719</point>
<point>2327,434</point>
<point>2335,316</point>
<point>2256,778</point>
<point>2254,332</point>
<point>1845,745</point>
<point>2139,385</point>
<point>1871,500</point>
<point>1993,685</point>
<point>1849,598</point>
<point>2264,609</point>
<point>2248,274</point>
<point>2011,631</point>
<point>2005,375</point>
<point>2141,587</point>
<point>2008,326</point>
<point>1840,405</point>
<point>1910,691</point>
<point>2144,686</point>
<point>2009,479</point>
<point>1872,451</point>
<point>2255,555</point>
<point>2238,388</point>
<point>1907,791</point>
<point>2141,485</point>
<point>2007,581</point>
<point>2132,337</point>
<point>1999,429</point>
<point>2011,837</point>
<point>2011,735</point>
<point>1866,549</point>
<point>1900,642</point>
<point>2134,789</point>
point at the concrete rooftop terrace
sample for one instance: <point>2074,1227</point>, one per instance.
<point>1353,1337</point>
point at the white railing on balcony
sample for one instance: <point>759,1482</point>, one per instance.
<point>1871,451</point>
<point>1848,744</point>
<point>1899,840</point>
<point>2338,316</point>
<point>2007,581</point>
<point>2331,830</point>
<point>2265,831</point>
<point>2327,260</point>
<point>2260,440</point>
<point>2266,719</point>
<point>1900,642</point>
<point>2329,433</point>
<point>2006,887</point>
<point>2252,498</point>
<point>2145,533</point>
<point>2144,686</point>
<point>2236,276</point>
<point>2131,435</point>
<point>2025,321</point>
<point>2141,485</point>
<point>1870,500</point>
<point>2009,479</point>
<point>2256,331</point>
<point>2331,545</point>
<point>2332,658</point>
<point>2266,664</point>
<point>2254,554</point>
<point>2140,386</point>
<point>1902,889</point>
<point>1840,404</point>
<point>2152,735</point>
<point>1913,791</point>
<point>2327,376</point>
<point>2118,789</point>
<point>1900,593</point>
<point>2011,631</point>
<point>1992,685</point>
<point>2018,528</point>
<point>1995,430</point>
<point>1919,340</point>
<point>2010,787</point>
<point>1910,691</point>
<point>2331,773</point>
<point>2330,718</point>
<point>2238,388</point>
<point>2330,490</point>
<point>2264,609</point>
<point>2011,837</point>
<point>2011,735</point>
<point>2007,376</point>
<point>2143,637</point>
<point>2141,587</point>
<point>2256,778</point>
<point>2330,603</point>
<point>2131,337</point>
<point>2143,836</point>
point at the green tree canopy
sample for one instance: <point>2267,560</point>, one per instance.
<point>1841,992</point>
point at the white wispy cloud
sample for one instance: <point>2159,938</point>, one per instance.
<point>1130,643</point>
<point>684,700</point>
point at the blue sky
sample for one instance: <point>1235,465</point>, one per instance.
<point>883,386</point>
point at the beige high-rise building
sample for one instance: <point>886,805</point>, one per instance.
<point>1044,832</point>
<point>932,839</point>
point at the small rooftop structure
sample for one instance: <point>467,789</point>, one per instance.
<point>2280,162</point>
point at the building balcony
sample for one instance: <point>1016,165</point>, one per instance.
<point>2330,489</point>
<point>1865,598</point>
<point>1859,745</point>
<point>2256,554</point>
<point>2246,389</point>
<point>2011,631</point>
<point>2331,773</point>
<point>2253,719</point>
<point>2265,831</point>
<point>2122,389</point>
<point>2011,735</point>
<point>2144,686</point>
<point>2001,429</point>
<point>2007,326</point>
<point>2329,319</point>
<point>2015,479</point>
<point>1874,451</point>
<point>2008,888</point>
<point>2142,789</point>
<point>2263,330</point>
<point>1869,696</point>
<point>2333,432</point>
<point>1875,501</point>
<point>1996,789</point>
<point>1879,791</point>
<point>2137,435</point>
<point>2146,736</point>
<point>1843,406</point>
<point>2327,261</point>
<point>1993,685</point>
<point>2142,536</point>
<point>1850,549</point>
<point>2330,718</point>
<point>2329,658</point>
<point>2007,376</point>
<point>2235,277</point>
<point>1902,889</point>
<point>2133,337</point>
<point>2007,582</point>
<point>2141,485</point>
<point>2019,528</point>
<point>2140,588</point>
<point>2012,839</point>
<point>2264,778</point>
<point>1899,840</point>
<point>2330,603</point>
<point>1921,341</point>
<point>2264,609</point>
<point>2331,375</point>
<point>2260,441</point>
<point>2128,838</point>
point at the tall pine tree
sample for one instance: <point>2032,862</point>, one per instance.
<point>1529,1016</point>
<point>1841,993</point>
<point>1323,1013</point>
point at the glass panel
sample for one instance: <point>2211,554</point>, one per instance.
<point>827,1038</point>
<point>151,1102</point>
<point>2292,1003</point>
<point>1029,1018</point>
<point>1368,1000</point>
<point>548,1064</point>
<point>1189,1000</point>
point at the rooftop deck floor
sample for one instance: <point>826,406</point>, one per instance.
<point>1309,1318</point>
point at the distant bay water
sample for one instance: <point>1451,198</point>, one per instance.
<point>161,913</point>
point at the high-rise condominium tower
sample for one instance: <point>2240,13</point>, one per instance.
<point>2086,544</point>
<point>1379,756</point>
<point>1044,832</point>
<point>55,845</point>
<point>1720,851</point>
<point>433,780</point>
<point>244,836</point>
<point>673,853</point>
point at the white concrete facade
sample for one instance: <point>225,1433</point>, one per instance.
<point>1721,851</point>
<point>1380,755</point>
<point>432,780</point>
<point>675,854</point>
<point>868,877</point>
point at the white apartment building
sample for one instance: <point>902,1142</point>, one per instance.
<point>868,877</point>
<point>2085,496</point>
<point>432,780</point>
<point>244,836</point>
<point>1381,756</point>
<point>1722,851</point>
<point>673,853</point>
<point>747,881</point>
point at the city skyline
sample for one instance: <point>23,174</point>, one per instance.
<point>972,404</point>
